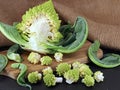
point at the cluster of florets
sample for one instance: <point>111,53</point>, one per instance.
<point>71,72</point>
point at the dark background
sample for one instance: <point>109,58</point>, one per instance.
<point>111,81</point>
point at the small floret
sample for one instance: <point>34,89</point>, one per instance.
<point>34,77</point>
<point>88,81</point>
<point>85,70</point>
<point>58,56</point>
<point>47,70</point>
<point>98,76</point>
<point>76,65</point>
<point>71,76</point>
<point>51,80</point>
<point>46,60</point>
<point>34,57</point>
<point>62,68</point>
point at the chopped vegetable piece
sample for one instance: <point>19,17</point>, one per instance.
<point>34,77</point>
<point>85,70</point>
<point>21,76</point>
<point>51,80</point>
<point>58,56</point>
<point>62,68</point>
<point>13,53</point>
<point>109,61</point>
<point>71,76</point>
<point>47,70</point>
<point>98,76</point>
<point>3,62</point>
<point>76,65</point>
<point>46,60</point>
<point>88,81</point>
<point>34,57</point>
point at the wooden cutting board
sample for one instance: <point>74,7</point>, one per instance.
<point>80,55</point>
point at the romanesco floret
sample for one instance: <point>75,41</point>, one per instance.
<point>47,70</point>
<point>76,65</point>
<point>71,76</point>
<point>85,70</point>
<point>88,80</point>
<point>34,57</point>
<point>62,68</point>
<point>34,77</point>
<point>46,60</point>
<point>98,76</point>
<point>51,80</point>
<point>58,56</point>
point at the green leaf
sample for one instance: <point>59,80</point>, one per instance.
<point>3,62</point>
<point>11,33</point>
<point>13,53</point>
<point>21,76</point>
<point>108,61</point>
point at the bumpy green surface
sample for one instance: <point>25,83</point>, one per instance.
<point>46,60</point>
<point>62,68</point>
<point>34,77</point>
<point>49,80</point>
<point>85,70</point>
<point>44,10</point>
<point>72,75</point>
<point>88,81</point>
<point>47,70</point>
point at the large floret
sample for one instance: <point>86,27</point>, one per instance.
<point>40,25</point>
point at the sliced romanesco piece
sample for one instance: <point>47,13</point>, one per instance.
<point>46,60</point>
<point>51,80</point>
<point>98,76</point>
<point>85,70</point>
<point>62,68</point>
<point>58,56</point>
<point>47,70</point>
<point>34,57</point>
<point>88,80</point>
<point>76,65</point>
<point>71,76</point>
<point>34,77</point>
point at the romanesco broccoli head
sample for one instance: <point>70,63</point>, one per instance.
<point>85,70</point>
<point>88,80</point>
<point>47,70</point>
<point>58,56</point>
<point>46,60</point>
<point>98,76</point>
<point>49,80</point>
<point>40,27</point>
<point>71,76</point>
<point>34,57</point>
<point>34,77</point>
<point>62,68</point>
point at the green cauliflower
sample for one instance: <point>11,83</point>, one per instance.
<point>98,76</point>
<point>76,65</point>
<point>58,56</point>
<point>51,80</point>
<point>47,70</point>
<point>71,76</point>
<point>34,57</point>
<point>34,77</point>
<point>85,70</point>
<point>88,81</point>
<point>62,68</point>
<point>46,60</point>
<point>41,31</point>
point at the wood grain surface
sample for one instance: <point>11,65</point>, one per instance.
<point>80,55</point>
